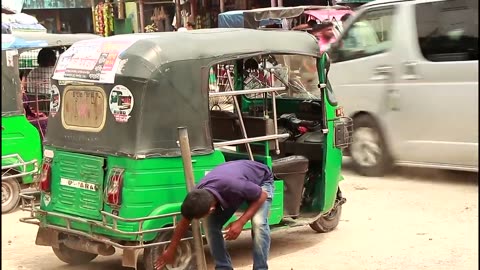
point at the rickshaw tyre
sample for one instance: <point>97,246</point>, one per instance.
<point>386,162</point>
<point>327,223</point>
<point>151,255</point>
<point>72,256</point>
<point>14,186</point>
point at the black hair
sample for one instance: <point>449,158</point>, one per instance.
<point>345,17</point>
<point>197,204</point>
<point>23,74</point>
<point>311,23</point>
<point>46,57</point>
<point>321,26</point>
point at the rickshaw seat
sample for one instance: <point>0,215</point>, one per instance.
<point>225,125</point>
<point>292,171</point>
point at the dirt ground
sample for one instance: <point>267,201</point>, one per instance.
<point>412,220</point>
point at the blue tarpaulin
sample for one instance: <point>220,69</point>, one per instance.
<point>9,42</point>
<point>235,19</point>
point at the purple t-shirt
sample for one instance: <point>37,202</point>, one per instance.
<point>235,182</point>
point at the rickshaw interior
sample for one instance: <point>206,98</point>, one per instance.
<point>293,96</point>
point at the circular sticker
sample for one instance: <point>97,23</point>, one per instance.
<point>54,100</point>
<point>121,103</point>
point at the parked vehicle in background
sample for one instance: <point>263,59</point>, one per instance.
<point>24,115</point>
<point>407,73</point>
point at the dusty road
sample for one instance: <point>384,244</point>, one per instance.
<point>412,220</point>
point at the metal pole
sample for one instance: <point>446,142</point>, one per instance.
<point>240,117</point>
<point>141,16</point>
<point>188,170</point>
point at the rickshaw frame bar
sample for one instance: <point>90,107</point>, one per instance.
<point>247,92</point>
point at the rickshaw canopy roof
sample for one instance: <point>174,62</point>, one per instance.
<point>166,75</point>
<point>224,43</point>
<point>145,54</point>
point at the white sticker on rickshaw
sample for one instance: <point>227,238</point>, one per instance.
<point>78,184</point>
<point>46,199</point>
<point>54,100</point>
<point>121,103</point>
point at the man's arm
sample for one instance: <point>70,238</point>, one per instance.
<point>169,255</point>
<point>235,228</point>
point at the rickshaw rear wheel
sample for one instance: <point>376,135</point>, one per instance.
<point>72,256</point>
<point>329,221</point>
<point>10,194</point>
<point>184,259</point>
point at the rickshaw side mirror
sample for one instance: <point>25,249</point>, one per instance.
<point>327,62</point>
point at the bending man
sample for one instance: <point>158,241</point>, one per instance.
<point>217,197</point>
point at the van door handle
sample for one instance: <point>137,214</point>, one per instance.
<point>410,70</point>
<point>381,73</point>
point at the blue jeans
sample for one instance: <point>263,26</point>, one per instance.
<point>260,234</point>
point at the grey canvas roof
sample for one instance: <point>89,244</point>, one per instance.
<point>219,43</point>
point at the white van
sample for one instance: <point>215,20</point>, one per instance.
<point>407,73</point>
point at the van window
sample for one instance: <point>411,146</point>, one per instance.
<point>84,108</point>
<point>370,34</point>
<point>448,30</point>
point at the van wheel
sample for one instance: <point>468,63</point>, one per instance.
<point>184,257</point>
<point>10,194</point>
<point>72,256</point>
<point>329,221</point>
<point>368,150</point>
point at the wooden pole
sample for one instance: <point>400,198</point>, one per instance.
<point>94,19</point>
<point>141,15</point>
<point>273,3</point>
<point>178,15</point>
<point>190,181</point>
<point>280,3</point>
<point>222,5</point>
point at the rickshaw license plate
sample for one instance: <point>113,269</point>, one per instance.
<point>78,184</point>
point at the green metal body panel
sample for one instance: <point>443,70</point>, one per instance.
<point>20,137</point>
<point>151,187</point>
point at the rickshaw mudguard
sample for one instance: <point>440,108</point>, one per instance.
<point>161,222</point>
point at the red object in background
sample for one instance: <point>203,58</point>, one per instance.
<point>302,129</point>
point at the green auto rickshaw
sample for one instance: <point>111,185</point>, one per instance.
<point>24,115</point>
<point>112,175</point>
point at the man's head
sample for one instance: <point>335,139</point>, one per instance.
<point>46,58</point>
<point>198,204</point>
<point>323,30</point>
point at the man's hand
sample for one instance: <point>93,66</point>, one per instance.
<point>233,230</point>
<point>166,258</point>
